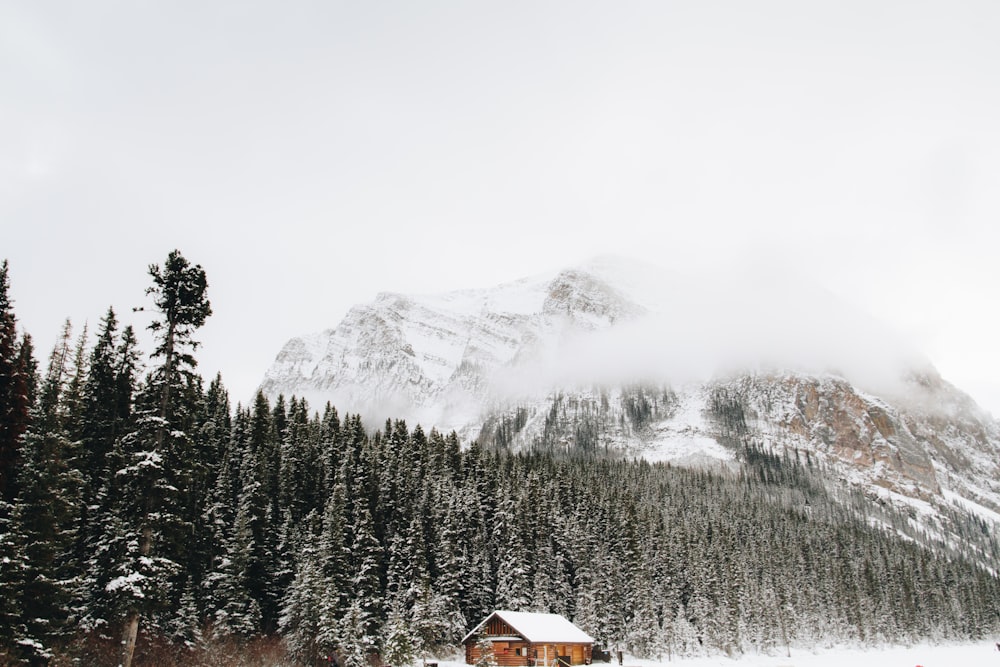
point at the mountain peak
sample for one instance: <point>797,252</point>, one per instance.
<point>608,319</point>
<point>626,356</point>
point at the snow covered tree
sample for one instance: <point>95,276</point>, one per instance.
<point>436,622</point>
<point>17,394</point>
<point>329,450</point>
<point>513,578</point>
<point>298,621</point>
<point>11,571</point>
<point>219,519</point>
<point>112,378</point>
<point>47,509</point>
<point>366,584</point>
<point>334,557</point>
<point>643,636</point>
<point>156,472</point>
<point>397,638</point>
<point>297,481</point>
<point>16,389</point>
<point>276,520</point>
<point>272,572</point>
<point>105,407</point>
<point>487,658</point>
<point>184,625</point>
<point>236,609</point>
<point>104,412</point>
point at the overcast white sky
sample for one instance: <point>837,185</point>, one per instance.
<point>311,154</point>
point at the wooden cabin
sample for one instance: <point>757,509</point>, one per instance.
<point>522,639</point>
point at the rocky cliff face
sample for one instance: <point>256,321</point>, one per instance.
<point>611,357</point>
<point>930,442</point>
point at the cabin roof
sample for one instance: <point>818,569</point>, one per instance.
<point>538,628</point>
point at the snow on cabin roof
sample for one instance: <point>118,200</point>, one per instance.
<point>538,628</point>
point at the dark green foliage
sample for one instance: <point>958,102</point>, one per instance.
<point>105,412</point>
<point>163,483</point>
<point>586,423</point>
<point>221,526</point>
<point>17,380</point>
<point>499,431</point>
<point>108,394</point>
<point>47,508</point>
<point>726,408</point>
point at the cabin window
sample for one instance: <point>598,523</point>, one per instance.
<point>517,651</point>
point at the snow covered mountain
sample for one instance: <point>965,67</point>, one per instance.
<point>617,356</point>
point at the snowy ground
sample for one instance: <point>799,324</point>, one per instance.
<point>980,654</point>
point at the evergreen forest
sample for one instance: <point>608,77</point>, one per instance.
<point>145,520</point>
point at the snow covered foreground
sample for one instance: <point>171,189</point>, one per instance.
<point>981,654</point>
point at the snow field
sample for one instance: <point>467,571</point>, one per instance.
<point>962,655</point>
<point>979,654</point>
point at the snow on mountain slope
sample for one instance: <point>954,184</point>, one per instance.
<point>433,357</point>
<point>687,436</point>
<point>618,356</point>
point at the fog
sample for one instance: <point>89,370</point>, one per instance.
<point>714,325</point>
<point>310,156</point>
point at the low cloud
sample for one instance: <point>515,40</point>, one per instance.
<point>725,324</point>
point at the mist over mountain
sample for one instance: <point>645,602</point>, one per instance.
<point>622,357</point>
<point>609,321</point>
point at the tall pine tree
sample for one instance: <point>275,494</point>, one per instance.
<point>17,388</point>
<point>157,477</point>
<point>47,508</point>
<point>16,396</point>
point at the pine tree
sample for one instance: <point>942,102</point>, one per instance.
<point>11,576</point>
<point>16,394</point>
<point>235,577</point>
<point>157,474</point>
<point>219,519</point>
<point>397,638</point>
<point>329,451</point>
<point>302,610</point>
<point>487,658</point>
<point>16,399</point>
<point>184,625</point>
<point>298,471</point>
<point>101,420</point>
<point>267,428</point>
<point>368,611</point>
<point>215,435</point>
<point>98,426</point>
<point>336,578</point>
<point>47,509</point>
<point>513,577</point>
<point>209,430</point>
<point>108,395</point>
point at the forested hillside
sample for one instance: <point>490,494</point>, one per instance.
<point>139,504</point>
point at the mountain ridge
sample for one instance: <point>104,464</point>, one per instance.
<point>631,359</point>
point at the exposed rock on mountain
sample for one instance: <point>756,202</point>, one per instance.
<point>618,357</point>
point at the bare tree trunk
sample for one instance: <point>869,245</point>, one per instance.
<point>132,621</point>
<point>168,370</point>
<point>131,632</point>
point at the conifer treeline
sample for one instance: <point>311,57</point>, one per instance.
<point>201,522</point>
